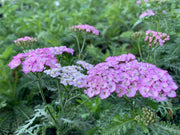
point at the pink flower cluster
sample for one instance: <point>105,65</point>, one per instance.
<point>25,41</point>
<point>126,76</point>
<point>153,38</point>
<point>54,72</point>
<point>86,28</point>
<point>70,75</point>
<point>147,13</point>
<point>36,60</point>
<point>85,65</point>
<point>139,1</point>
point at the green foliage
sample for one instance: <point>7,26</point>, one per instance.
<point>121,125</point>
<point>117,21</point>
<point>164,128</point>
<point>13,109</point>
<point>30,127</point>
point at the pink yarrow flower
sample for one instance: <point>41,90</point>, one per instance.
<point>70,75</point>
<point>87,28</point>
<point>25,41</point>
<point>153,38</point>
<point>139,2</point>
<point>147,13</point>
<point>37,60</point>
<point>85,65</point>
<point>164,11</point>
<point>126,76</point>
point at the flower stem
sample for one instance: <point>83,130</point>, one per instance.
<point>82,47</point>
<point>139,49</point>
<point>45,102</point>
<point>77,40</point>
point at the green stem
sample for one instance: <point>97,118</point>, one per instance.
<point>82,47</point>
<point>139,49</point>
<point>77,40</point>
<point>23,112</point>
<point>70,99</point>
<point>15,82</point>
<point>45,102</point>
<point>155,49</point>
<point>83,102</point>
<point>149,54</point>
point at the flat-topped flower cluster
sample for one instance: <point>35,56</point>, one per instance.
<point>153,38</point>
<point>126,76</point>
<point>147,13</point>
<point>36,60</point>
<point>70,75</point>
<point>25,41</point>
<point>86,28</point>
<point>139,1</point>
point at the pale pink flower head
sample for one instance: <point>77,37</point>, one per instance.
<point>25,41</point>
<point>147,13</point>
<point>87,28</point>
<point>85,65</point>
<point>138,2</point>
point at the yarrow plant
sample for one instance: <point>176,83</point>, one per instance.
<point>25,41</point>
<point>147,13</point>
<point>153,38</point>
<point>126,76</point>
<point>35,61</point>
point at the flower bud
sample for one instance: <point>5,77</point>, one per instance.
<point>137,35</point>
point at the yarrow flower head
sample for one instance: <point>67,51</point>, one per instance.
<point>126,76</point>
<point>37,60</point>
<point>153,38</point>
<point>85,65</point>
<point>139,1</point>
<point>147,13</point>
<point>87,28</point>
<point>25,41</point>
<point>70,75</point>
<point>54,72</point>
